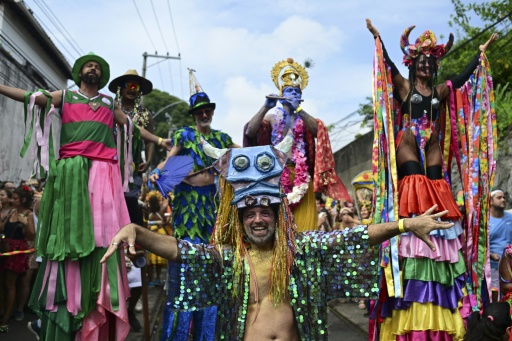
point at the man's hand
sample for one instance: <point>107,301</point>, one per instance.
<point>495,257</point>
<point>167,144</point>
<point>143,167</point>
<point>372,28</point>
<point>422,225</point>
<point>126,235</point>
<point>489,42</point>
<point>271,102</point>
<point>155,175</point>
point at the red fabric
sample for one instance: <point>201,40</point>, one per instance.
<point>325,178</point>
<point>79,112</point>
<point>425,335</point>
<point>16,263</point>
<point>89,149</point>
<point>418,193</point>
<point>263,138</point>
<point>320,159</point>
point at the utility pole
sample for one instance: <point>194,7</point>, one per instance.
<point>145,55</point>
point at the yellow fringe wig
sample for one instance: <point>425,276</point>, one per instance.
<point>229,232</point>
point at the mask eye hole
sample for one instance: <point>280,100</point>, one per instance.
<point>264,163</point>
<point>265,201</point>
<point>241,163</point>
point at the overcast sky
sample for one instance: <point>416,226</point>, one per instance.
<point>233,44</point>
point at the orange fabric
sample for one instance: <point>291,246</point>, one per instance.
<point>325,178</point>
<point>418,193</point>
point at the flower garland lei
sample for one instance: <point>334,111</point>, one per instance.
<point>300,186</point>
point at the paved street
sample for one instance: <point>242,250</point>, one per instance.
<point>346,322</point>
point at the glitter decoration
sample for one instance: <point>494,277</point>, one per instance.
<point>321,272</point>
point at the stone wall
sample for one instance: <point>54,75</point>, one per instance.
<point>356,157</point>
<point>353,159</point>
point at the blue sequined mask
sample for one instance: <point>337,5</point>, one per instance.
<point>254,173</point>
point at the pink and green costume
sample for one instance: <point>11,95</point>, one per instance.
<point>82,208</point>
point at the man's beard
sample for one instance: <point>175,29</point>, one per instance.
<point>90,78</point>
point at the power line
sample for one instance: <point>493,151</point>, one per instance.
<point>62,29</point>
<point>159,28</point>
<point>181,80</point>
<point>476,35</point>
<point>160,74</point>
<point>18,50</point>
<point>144,25</point>
<point>170,75</point>
<point>172,24</point>
<point>70,55</point>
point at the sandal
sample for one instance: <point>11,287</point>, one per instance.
<point>4,329</point>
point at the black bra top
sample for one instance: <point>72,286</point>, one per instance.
<point>13,230</point>
<point>421,105</point>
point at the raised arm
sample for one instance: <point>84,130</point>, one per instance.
<point>150,146</point>
<point>254,124</point>
<point>399,81</point>
<point>19,95</point>
<point>121,119</point>
<point>309,121</point>
<point>421,226</point>
<point>163,245</point>
<point>459,80</point>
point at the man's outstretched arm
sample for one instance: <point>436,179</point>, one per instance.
<point>421,226</point>
<point>163,245</point>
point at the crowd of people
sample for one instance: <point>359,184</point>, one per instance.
<point>258,237</point>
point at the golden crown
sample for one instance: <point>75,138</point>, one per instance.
<point>289,73</point>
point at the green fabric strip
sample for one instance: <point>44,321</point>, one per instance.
<point>87,131</point>
<point>112,266</point>
<point>65,228</point>
<point>61,325</point>
<point>30,125</point>
<point>428,270</point>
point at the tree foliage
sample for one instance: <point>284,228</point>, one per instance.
<point>167,120</point>
<point>503,101</point>
<point>365,110</point>
<point>493,16</point>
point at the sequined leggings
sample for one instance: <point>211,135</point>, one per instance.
<point>177,324</point>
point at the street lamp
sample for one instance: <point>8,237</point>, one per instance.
<point>168,106</point>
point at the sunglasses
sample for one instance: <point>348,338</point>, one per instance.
<point>203,111</point>
<point>131,86</point>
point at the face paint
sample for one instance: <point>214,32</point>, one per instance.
<point>426,64</point>
<point>293,92</point>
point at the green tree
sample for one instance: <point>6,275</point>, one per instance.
<point>496,16</point>
<point>366,111</point>
<point>168,120</point>
<point>497,13</point>
<point>503,102</point>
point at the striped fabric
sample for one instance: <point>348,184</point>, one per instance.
<point>86,132</point>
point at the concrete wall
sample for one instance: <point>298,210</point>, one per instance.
<point>353,159</point>
<point>28,62</point>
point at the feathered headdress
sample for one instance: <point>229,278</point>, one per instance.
<point>251,177</point>
<point>426,44</point>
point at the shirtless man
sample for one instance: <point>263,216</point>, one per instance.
<point>267,281</point>
<point>193,211</point>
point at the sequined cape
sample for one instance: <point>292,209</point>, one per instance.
<point>327,266</point>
